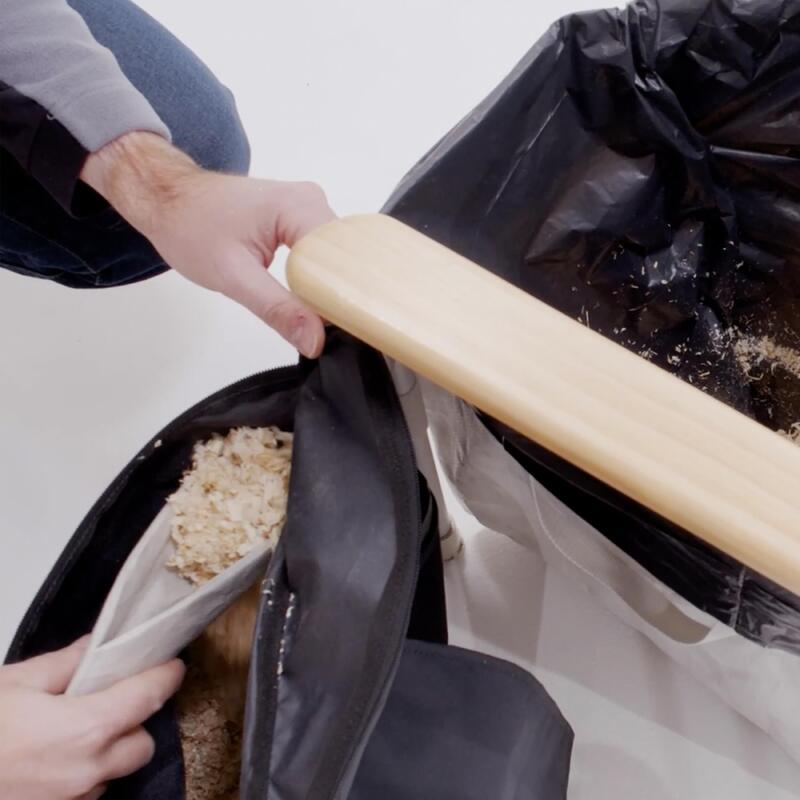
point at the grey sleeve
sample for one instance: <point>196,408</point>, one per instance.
<point>62,94</point>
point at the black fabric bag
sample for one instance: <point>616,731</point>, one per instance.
<point>639,170</point>
<point>353,690</point>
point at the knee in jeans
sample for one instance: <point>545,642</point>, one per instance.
<point>220,143</point>
<point>199,111</point>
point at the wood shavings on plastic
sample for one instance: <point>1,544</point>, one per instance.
<point>231,500</point>
<point>753,351</point>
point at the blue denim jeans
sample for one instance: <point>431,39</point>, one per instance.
<point>39,238</point>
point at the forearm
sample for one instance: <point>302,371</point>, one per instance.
<point>141,175</point>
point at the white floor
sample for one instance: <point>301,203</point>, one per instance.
<point>349,94</point>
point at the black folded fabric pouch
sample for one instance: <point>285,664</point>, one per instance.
<point>353,690</point>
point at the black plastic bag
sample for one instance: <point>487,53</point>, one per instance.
<point>352,686</point>
<point>639,171</point>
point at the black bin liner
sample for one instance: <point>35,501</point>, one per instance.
<point>639,171</point>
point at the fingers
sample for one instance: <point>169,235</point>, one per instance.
<point>122,757</point>
<point>127,704</point>
<point>127,754</point>
<point>110,741</point>
<point>50,672</point>
<point>248,282</point>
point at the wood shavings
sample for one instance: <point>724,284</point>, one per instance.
<point>793,434</point>
<point>761,351</point>
<point>233,498</point>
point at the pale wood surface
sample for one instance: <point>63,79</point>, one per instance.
<point>666,444</point>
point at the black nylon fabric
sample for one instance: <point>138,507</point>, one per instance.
<point>351,549</point>
<point>33,137</point>
<point>639,170</point>
<point>73,594</point>
<point>473,727</point>
<point>357,570</point>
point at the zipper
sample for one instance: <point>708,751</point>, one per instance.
<point>403,476</point>
<point>404,479</point>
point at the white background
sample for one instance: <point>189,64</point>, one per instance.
<point>349,94</point>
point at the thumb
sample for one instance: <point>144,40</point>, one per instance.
<point>50,672</point>
<point>303,208</point>
<point>248,282</point>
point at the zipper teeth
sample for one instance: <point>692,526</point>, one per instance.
<point>134,462</point>
<point>369,717</point>
<point>272,372</point>
<point>260,374</point>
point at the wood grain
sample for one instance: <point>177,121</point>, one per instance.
<point>664,443</point>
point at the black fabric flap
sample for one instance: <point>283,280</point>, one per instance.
<point>465,726</point>
<point>340,598</point>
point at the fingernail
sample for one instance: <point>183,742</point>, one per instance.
<point>304,339</point>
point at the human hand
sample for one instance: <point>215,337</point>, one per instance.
<point>220,231</point>
<point>59,747</point>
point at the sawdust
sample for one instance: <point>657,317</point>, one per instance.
<point>793,434</point>
<point>211,740</point>
<point>760,355</point>
<point>211,702</point>
<point>762,352</point>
